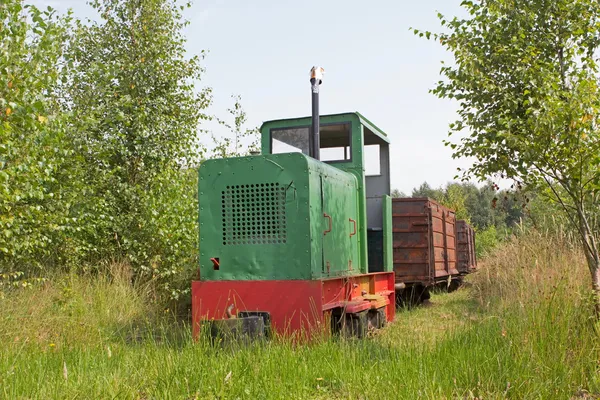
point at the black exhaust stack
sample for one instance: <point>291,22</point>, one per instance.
<point>316,78</point>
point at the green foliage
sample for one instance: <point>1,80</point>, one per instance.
<point>236,146</point>
<point>135,94</point>
<point>526,82</point>
<point>168,235</point>
<point>455,198</point>
<point>132,82</point>
<point>487,240</point>
<point>397,194</point>
<point>427,191</point>
<point>99,143</point>
<point>36,155</point>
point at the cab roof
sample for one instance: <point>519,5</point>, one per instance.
<point>351,115</point>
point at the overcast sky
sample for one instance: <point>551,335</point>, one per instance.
<point>263,51</point>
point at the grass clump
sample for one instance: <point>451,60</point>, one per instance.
<point>74,311</point>
<point>520,328</point>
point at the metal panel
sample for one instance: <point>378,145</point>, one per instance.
<point>335,193</point>
<point>381,240</point>
<point>292,305</point>
<point>465,243</point>
<point>374,211</point>
<point>424,241</point>
<point>262,218</point>
<point>362,129</point>
<point>295,307</point>
<point>252,212</point>
<point>377,185</point>
<point>473,250</point>
<point>388,239</point>
<point>375,239</point>
<point>340,227</point>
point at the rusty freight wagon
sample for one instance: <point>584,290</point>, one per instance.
<point>465,246</point>
<point>424,246</point>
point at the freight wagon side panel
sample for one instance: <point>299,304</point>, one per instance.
<point>463,243</point>
<point>424,241</point>
<point>444,240</point>
<point>412,247</point>
<point>472,246</point>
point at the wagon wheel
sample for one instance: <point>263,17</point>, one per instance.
<point>455,284</point>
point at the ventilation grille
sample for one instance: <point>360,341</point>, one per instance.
<point>254,214</point>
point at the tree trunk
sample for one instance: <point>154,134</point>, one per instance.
<point>592,255</point>
<point>595,271</point>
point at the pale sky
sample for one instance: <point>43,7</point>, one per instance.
<point>263,50</point>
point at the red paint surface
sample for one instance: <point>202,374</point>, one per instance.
<point>295,306</point>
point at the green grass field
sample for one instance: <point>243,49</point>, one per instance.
<point>520,328</point>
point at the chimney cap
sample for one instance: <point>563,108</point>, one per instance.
<point>316,73</point>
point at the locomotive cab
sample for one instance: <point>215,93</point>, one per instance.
<point>351,143</point>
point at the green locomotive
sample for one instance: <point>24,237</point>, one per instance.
<point>286,236</point>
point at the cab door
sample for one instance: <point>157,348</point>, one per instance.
<point>340,228</point>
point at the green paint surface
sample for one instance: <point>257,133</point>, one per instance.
<point>388,237</point>
<point>263,217</point>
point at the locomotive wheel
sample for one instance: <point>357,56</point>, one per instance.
<point>376,319</point>
<point>355,325</point>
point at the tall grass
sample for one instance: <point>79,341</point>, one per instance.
<point>537,289</point>
<point>519,329</point>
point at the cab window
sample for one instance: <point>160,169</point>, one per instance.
<point>290,140</point>
<point>335,140</point>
